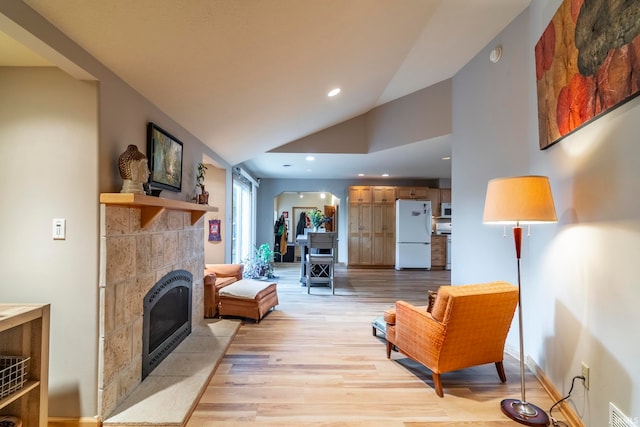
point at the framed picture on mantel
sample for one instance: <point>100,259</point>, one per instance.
<point>164,154</point>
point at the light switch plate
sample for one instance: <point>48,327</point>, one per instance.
<point>59,228</point>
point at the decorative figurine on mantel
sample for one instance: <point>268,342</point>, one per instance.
<point>134,170</point>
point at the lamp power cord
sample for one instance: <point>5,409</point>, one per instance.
<point>555,422</point>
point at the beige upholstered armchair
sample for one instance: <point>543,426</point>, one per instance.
<point>467,326</point>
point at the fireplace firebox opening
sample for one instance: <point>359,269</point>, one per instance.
<point>166,318</point>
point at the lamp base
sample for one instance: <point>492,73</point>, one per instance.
<point>524,413</point>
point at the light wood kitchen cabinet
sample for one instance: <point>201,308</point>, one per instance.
<point>360,194</point>
<point>434,198</point>
<point>438,251</point>
<point>360,234</point>
<point>24,331</point>
<point>445,195</point>
<point>372,226</point>
<point>384,194</point>
<point>418,193</point>
<point>384,234</point>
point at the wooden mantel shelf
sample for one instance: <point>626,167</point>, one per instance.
<point>151,207</point>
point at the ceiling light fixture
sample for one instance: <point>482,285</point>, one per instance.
<point>309,158</point>
<point>333,92</point>
<point>385,175</point>
<point>360,174</point>
<point>446,158</point>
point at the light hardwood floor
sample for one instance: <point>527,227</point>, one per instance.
<point>315,362</point>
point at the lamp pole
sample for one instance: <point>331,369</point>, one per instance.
<point>517,237</point>
<point>521,410</point>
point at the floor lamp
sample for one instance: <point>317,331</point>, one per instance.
<point>520,200</point>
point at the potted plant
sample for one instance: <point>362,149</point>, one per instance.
<point>317,218</point>
<point>259,264</point>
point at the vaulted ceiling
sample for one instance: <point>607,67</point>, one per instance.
<point>248,76</point>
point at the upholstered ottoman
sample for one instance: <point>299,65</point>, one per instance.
<point>248,298</point>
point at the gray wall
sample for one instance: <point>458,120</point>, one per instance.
<point>424,114</point>
<point>579,279</point>
<point>123,112</point>
<point>76,131</point>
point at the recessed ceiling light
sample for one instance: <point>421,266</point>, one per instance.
<point>333,92</point>
<point>385,174</point>
<point>446,158</point>
<point>309,158</point>
<point>360,174</point>
<point>322,195</point>
<point>286,166</point>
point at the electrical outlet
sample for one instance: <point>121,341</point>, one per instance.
<point>585,374</point>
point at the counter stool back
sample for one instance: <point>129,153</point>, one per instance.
<point>320,259</point>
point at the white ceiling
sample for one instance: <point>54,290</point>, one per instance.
<point>247,76</point>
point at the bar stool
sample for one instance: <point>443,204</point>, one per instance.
<point>320,259</point>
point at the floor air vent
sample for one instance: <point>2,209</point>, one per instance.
<point>617,418</point>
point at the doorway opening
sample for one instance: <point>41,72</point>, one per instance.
<point>292,208</point>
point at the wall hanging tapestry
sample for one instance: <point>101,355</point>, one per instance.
<point>587,63</point>
<point>214,230</point>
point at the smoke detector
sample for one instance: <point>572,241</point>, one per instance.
<point>496,54</point>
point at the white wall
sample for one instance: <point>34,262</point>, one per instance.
<point>579,280</point>
<point>48,158</point>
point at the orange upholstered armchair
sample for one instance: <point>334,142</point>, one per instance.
<point>467,326</point>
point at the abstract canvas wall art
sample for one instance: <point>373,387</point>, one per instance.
<point>587,63</point>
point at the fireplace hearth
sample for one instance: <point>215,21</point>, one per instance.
<point>166,318</point>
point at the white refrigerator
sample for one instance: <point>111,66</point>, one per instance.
<point>413,234</point>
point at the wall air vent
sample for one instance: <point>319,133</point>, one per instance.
<point>617,418</point>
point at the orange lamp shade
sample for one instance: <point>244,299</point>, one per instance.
<point>520,200</point>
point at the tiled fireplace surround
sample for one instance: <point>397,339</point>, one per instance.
<point>132,260</point>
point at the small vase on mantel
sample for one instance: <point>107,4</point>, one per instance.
<point>203,196</point>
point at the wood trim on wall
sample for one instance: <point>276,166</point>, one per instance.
<point>74,422</point>
<point>567,411</point>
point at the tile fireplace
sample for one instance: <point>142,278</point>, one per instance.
<point>133,260</point>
